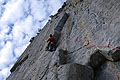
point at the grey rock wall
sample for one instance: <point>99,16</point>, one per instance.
<point>87,33</point>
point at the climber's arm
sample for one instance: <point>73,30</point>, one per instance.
<point>47,40</point>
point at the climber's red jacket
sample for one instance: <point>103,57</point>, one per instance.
<point>52,39</point>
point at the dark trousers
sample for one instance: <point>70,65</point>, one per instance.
<point>51,46</point>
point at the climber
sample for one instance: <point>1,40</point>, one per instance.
<point>51,43</point>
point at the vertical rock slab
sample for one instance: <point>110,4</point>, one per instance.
<point>75,72</point>
<point>101,25</point>
<point>60,25</point>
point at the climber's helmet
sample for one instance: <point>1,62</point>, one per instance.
<point>50,35</point>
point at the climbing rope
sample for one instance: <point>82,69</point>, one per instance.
<point>92,45</point>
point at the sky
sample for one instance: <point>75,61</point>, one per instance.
<point>19,22</point>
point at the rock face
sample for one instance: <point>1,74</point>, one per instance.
<point>87,33</point>
<point>75,72</point>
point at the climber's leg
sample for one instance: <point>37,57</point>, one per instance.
<point>47,47</point>
<point>54,47</point>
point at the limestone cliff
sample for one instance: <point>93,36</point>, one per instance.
<point>87,33</point>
